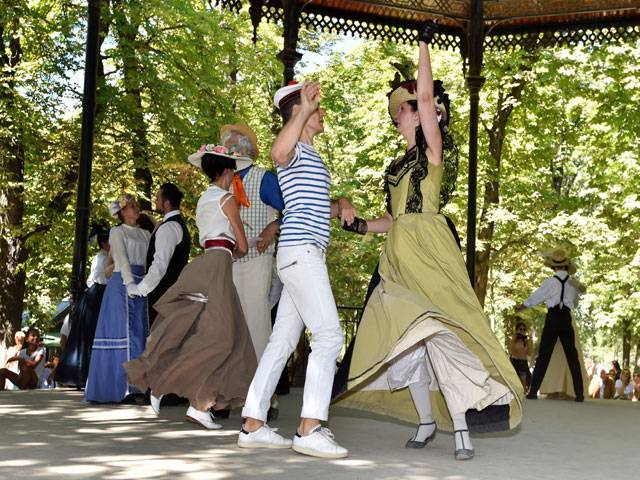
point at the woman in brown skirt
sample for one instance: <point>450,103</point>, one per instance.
<point>200,347</point>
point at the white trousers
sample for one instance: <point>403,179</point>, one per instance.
<point>253,282</point>
<point>306,300</point>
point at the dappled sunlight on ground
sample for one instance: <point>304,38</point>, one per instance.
<point>53,434</point>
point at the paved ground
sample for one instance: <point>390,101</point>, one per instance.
<point>51,434</point>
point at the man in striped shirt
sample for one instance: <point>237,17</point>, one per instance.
<point>306,298</point>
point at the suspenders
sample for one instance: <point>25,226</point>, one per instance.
<point>562,282</point>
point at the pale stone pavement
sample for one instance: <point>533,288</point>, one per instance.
<point>52,434</point>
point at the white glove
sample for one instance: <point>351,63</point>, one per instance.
<point>132,290</point>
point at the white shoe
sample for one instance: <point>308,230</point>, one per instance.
<point>155,403</point>
<point>203,418</point>
<point>264,437</point>
<point>319,443</point>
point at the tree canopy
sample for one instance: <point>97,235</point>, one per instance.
<point>558,153</point>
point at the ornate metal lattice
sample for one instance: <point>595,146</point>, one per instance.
<point>571,37</point>
<point>373,30</point>
<point>405,30</point>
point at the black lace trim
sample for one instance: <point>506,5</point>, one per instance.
<point>414,161</point>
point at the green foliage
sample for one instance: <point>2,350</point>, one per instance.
<point>567,169</point>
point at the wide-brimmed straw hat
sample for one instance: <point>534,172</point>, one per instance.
<point>405,92</point>
<point>242,129</point>
<point>218,151</point>
<point>558,258</point>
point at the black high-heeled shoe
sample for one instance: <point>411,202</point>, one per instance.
<point>462,453</point>
<point>412,443</point>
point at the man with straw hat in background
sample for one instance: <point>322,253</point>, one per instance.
<point>261,200</point>
<point>560,293</point>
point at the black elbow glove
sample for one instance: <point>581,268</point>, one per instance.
<point>358,226</point>
<point>428,30</point>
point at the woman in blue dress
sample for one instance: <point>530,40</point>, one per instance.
<point>123,324</point>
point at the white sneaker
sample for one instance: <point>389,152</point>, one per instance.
<point>319,443</point>
<point>264,437</point>
<point>155,403</point>
<point>203,418</point>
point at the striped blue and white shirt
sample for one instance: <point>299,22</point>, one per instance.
<point>305,186</point>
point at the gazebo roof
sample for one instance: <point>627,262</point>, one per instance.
<point>508,23</point>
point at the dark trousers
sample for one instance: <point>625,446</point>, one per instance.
<point>557,325</point>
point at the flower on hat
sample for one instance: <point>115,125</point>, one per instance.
<point>120,203</point>
<point>221,149</point>
<point>124,200</point>
<point>410,86</point>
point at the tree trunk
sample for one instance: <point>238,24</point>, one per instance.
<point>13,250</point>
<point>497,133</point>
<point>126,27</point>
<point>12,156</point>
<point>67,192</point>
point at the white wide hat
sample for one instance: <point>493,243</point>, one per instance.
<point>120,203</point>
<point>286,94</point>
<point>219,151</point>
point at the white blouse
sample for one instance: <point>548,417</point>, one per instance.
<point>628,390</point>
<point>128,247</point>
<point>98,264</point>
<point>211,220</point>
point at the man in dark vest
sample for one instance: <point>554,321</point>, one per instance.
<point>168,251</point>
<point>560,293</point>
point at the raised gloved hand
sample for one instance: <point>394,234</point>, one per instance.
<point>359,226</point>
<point>428,30</point>
<point>133,291</point>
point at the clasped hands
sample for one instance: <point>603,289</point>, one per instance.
<point>133,291</point>
<point>348,218</point>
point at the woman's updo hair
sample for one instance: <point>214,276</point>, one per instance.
<point>214,165</point>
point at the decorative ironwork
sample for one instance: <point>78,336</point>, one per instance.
<point>373,30</point>
<point>593,35</point>
<point>399,20</point>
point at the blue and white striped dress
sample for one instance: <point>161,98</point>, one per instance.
<point>305,186</point>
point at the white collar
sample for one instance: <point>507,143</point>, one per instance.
<point>170,214</point>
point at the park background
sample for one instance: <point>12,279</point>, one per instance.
<point>558,158</point>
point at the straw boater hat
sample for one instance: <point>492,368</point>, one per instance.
<point>406,92</point>
<point>242,129</point>
<point>558,257</point>
<point>218,151</point>
<point>287,94</point>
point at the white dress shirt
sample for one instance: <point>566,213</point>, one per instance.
<point>97,269</point>
<point>549,292</point>
<point>128,247</point>
<point>168,236</point>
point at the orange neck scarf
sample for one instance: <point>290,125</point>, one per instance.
<point>238,191</point>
